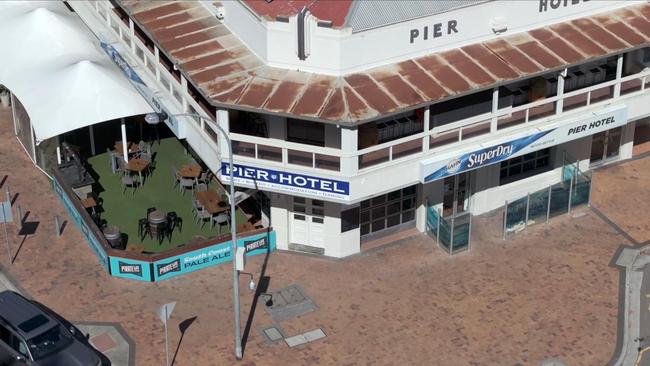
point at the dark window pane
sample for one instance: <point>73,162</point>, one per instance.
<point>408,191</point>
<point>378,225</point>
<point>350,219</point>
<point>392,208</point>
<point>379,200</point>
<point>529,165</point>
<point>408,216</point>
<point>393,220</point>
<point>299,217</point>
<point>365,216</point>
<point>365,229</point>
<point>317,220</point>
<point>378,212</point>
<point>408,204</point>
<point>365,204</point>
<point>394,195</point>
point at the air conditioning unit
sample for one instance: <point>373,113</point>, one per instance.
<point>499,25</point>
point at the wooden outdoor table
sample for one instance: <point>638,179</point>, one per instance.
<point>89,203</point>
<point>138,165</point>
<point>212,202</point>
<point>190,171</point>
<point>133,148</point>
<point>245,227</point>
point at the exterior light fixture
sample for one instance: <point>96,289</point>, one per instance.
<point>251,284</point>
<point>155,118</point>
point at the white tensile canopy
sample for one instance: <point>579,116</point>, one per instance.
<point>54,65</point>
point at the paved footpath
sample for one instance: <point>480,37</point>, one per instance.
<point>546,293</point>
<point>110,339</point>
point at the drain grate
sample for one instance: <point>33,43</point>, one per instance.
<point>312,335</point>
<point>273,333</point>
<point>288,302</point>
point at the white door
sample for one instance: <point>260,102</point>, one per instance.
<point>308,222</point>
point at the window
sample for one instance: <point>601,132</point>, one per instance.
<point>385,211</point>
<point>305,132</point>
<point>350,219</point>
<point>525,166</point>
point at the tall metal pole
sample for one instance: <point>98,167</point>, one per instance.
<point>166,338</point>
<point>233,233</point>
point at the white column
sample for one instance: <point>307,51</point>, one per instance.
<point>132,29</point>
<point>627,140</point>
<point>224,122</point>
<point>426,139</point>
<point>91,132</point>
<point>560,91</point>
<point>495,108</point>
<point>619,74</point>
<point>156,52</point>
<point>13,112</point>
<point>124,145</point>
<point>349,145</point>
<point>184,93</point>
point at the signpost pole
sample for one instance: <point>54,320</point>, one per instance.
<point>4,218</point>
<point>166,339</point>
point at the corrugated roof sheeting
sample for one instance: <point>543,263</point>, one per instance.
<point>228,73</point>
<point>366,15</point>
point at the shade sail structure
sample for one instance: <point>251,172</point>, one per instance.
<point>54,65</point>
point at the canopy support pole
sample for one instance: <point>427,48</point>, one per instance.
<point>124,146</point>
<point>92,139</point>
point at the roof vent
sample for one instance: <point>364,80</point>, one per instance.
<point>499,25</point>
<point>269,1</point>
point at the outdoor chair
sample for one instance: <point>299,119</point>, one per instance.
<point>129,182</point>
<point>204,178</point>
<point>144,228</point>
<point>162,231</point>
<point>203,215</point>
<point>176,176</point>
<point>186,184</point>
<point>221,219</point>
<point>121,165</point>
<point>112,160</point>
<point>196,207</point>
<point>201,187</point>
<point>173,221</point>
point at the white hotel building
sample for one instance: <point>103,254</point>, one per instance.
<point>353,117</point>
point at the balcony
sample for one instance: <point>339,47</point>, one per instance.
<point>585,88</point>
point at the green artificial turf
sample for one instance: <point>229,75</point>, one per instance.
<point>124,210</point>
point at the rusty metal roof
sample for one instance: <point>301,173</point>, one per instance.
<point>230,75</point>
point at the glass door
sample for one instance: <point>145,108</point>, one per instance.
<point>605,146</point>
<point>455,195</point>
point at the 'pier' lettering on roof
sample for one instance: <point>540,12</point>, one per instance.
<point>434,31</point>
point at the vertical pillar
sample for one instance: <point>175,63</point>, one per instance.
<point>184,94</point>
<point>619,74</point>
<point>125,148</point>
<point>495,108</point>
<point>349,148</point>
<point>427,124</point>
<point>559,106</point>
<point>224,122</point>
<point>13,112</point>
<point>156,53</point>
<point>132,29</point>
<point>91,132</point>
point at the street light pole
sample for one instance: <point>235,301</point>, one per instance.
<point>157,117</point>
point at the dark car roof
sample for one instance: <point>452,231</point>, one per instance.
<point>15,310</point>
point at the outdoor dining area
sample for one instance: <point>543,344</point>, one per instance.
<point>158,198</point>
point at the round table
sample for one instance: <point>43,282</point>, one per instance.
<point>157,217</point>
<point>113,236</point>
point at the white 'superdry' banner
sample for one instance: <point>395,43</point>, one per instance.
<point>447,165</point>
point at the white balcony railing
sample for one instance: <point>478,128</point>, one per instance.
<point>285,153</point>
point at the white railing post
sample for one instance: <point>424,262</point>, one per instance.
<point>132,29</point>
<point>495,108</point>
<point>156,53</point>
<point>560,92</point>
<point>619,73</point>
<point>426,122</point>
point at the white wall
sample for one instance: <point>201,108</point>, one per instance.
<point>280,219</point>
<point>339,51</point>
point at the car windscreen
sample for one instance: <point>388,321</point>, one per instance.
<point>49,342</point>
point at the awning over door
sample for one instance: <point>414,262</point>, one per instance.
<point>54,65</point>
